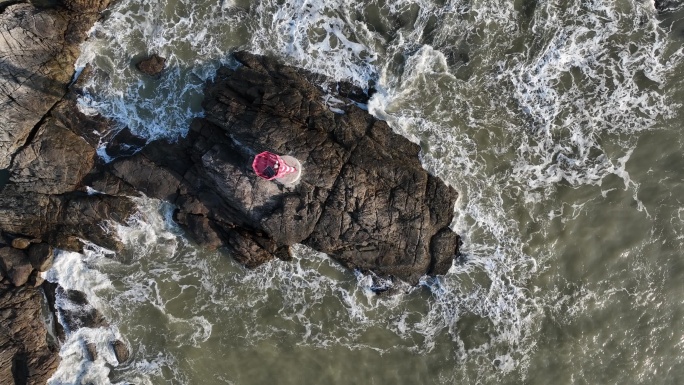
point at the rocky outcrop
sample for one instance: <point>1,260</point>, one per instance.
<point>363,198</point>
<point>44,205</point>
<point>41,256</point>
<point>152,65</point>
<point>15,265</point>
<point>45,198</point>
<point>79,313</point>
<point>26,356</point>
<point>38,47</point>
<point>75,312</point>
<point>42,159</point>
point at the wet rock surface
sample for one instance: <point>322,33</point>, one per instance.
<point>41,256</point>
<point>75,312</point>
<point>78,312</point>
<point>15,265</point>
<point>121,351</point>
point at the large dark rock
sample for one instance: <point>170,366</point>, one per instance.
<point>26,357</point>
<point>41,256</point>
<point>363,198</point>
<point>39,47</point>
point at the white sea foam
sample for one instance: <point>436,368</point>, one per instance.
<point>74,271</point>
<point>75,366</point>
<point>91,273</point>
<point>185,34</point>
<point>319,36</point>
<point>578,89</point>
<point>563,143</point>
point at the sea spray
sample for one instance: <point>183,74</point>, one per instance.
<point>587,60</point>
<point>320,37</point>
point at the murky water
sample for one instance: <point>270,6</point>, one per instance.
<point>558,121</point>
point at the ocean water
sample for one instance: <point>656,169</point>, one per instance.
<point>558,121</point>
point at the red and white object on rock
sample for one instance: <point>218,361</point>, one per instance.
<point>270,166</point>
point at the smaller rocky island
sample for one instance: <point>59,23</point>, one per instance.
<point>152,65</point>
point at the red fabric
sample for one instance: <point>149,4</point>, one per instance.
<point>270,166</point>
<point>264,165</point>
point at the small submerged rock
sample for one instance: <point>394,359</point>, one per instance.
<point>80,313</point>
<point>91,351</point>
<point>121,351</point>
<point>152,65</point>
